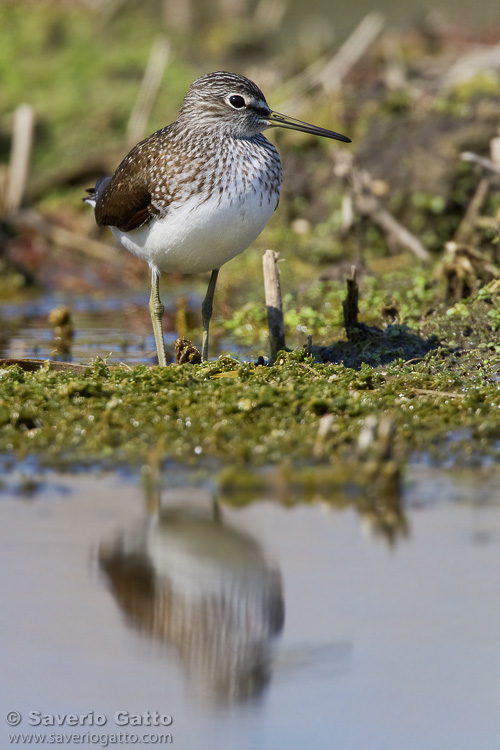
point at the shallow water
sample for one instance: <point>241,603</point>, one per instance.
<point>254,627</point>
<point>116,328</point>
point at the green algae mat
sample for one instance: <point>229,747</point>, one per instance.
<point>361,406</point>
<point>228,413</point>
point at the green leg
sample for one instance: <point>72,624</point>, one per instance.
<point>206,312</point>
<point>156,309</point>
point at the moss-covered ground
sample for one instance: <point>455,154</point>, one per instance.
<point>437,388</point>
<point>420,376</point>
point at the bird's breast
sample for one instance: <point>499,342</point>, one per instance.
<point>204,228</point>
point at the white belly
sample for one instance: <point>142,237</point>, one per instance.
<point>197,236</point>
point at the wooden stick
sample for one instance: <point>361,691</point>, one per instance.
<point>351,51</point>
<point>347,214</point>
<point>148,91</point>
<point>327,73</point>
<point>391,226</point>
<point>368,205</point>
<point>22,140</point>
<point>477,60</point>
<point>468,224</point>
<point>444,394</point>
<point>495,151</point>
<point>395,71</point>
<point>32,365</point>
<point>350,304</point>
<point>487,164</point>
<point>274,303</point>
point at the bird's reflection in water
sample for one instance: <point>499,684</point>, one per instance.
<point>188,580</point>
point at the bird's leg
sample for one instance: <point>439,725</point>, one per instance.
<point>206,312</point>
<point>157,309</point>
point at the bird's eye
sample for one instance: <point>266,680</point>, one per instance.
<point>236,101</point>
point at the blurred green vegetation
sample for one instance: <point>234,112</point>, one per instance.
<point>81,77</point>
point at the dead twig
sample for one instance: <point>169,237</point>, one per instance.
<point>350,304</point>
<point>328,72</point>
<point>467,226</point>
<point>444,394</point>
<point>32,365</point>
<point>324,429</point>
<point>491,171</point>
<point>487,164</point>
<point>148,91</point>
<point>395,70</point>
<point>367,204</point>
<point>478,60</point>
<point>464,269</point>
<point>351,51</point>
<point>22,140</point>
<point>274,303</point>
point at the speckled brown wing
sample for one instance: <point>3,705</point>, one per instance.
<point>125,200</point>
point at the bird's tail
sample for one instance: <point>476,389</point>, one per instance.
<point>93,192</point>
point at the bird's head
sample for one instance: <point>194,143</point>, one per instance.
<point>237,107</point>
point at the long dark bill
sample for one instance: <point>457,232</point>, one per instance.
<point>283,121</point>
